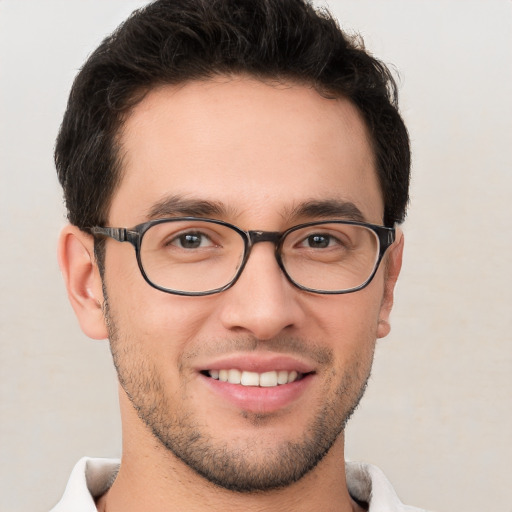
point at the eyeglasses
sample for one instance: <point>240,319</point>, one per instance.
<point>198,256</point>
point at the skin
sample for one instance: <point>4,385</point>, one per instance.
<point>259,151</point>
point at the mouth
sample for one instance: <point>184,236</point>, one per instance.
<point>258,392</point>
<point>268,379</point>
<point>260,383</point>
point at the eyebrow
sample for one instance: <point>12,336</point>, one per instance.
<point>178,206</point>
<point>329,208</point>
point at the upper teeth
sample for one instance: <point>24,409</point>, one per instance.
<point>266,379</point>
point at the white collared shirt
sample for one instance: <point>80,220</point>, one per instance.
<point>91,478</point>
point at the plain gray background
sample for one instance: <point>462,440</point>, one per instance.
<point>437,415</point>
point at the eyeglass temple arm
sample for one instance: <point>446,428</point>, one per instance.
<point>386,238</point>
<point>119,234</point>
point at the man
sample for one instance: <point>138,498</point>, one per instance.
<point>233,173</point>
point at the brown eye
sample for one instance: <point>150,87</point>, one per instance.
<point>193,240</point>
<point>318,241</point>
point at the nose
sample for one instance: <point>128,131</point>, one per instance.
<point>262,302</point>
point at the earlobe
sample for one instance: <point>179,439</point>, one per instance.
<point>83,280</point>
<point>392,271</point>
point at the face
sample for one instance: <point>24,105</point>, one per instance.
<point>254,155</point>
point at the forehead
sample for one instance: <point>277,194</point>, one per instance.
<point>256,149</point>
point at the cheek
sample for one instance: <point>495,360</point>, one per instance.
<point>351,316</point>
<point>161,326</point>
<point>349,323</point>
<point>146,310</point>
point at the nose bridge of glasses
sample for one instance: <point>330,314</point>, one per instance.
<point>264,236</point>
<point>274,237</point>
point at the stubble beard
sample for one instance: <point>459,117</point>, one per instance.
<point>245,466</point>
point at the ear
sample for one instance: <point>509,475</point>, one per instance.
<point>392,271</point>
<point>83,281</point>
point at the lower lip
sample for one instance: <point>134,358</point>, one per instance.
<point>259,400</point>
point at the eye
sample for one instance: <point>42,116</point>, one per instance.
<point>191,240</point>
<point>319,241</point>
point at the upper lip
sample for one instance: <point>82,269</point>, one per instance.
<point>259,363</point>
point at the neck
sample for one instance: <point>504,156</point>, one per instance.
<point>142,485</point>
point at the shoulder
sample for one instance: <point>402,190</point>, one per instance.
<point>89,479</point>
<point>368,484</point>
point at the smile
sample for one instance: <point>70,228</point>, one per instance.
<point>246,378</point>
<point>262,385</point>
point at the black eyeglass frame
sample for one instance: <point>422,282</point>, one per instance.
<point>134,236</point>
